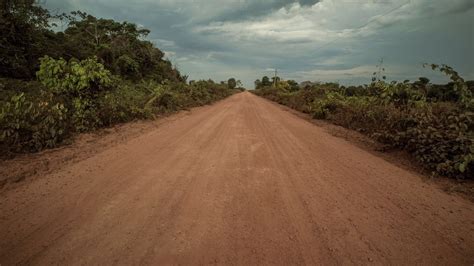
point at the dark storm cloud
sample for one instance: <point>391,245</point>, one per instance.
<point>259,8</point>
<point>307,39</point>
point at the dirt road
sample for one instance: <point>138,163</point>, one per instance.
<point>240,182</point>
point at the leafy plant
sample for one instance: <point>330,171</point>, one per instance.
<point>438,129</point>
<point>27,125</point>
<point>90,74</point>
<point>74,78</point>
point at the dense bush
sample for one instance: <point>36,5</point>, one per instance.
<point>95,73</point>
<point>31,124</point>
<point>81,83</point>
<point>435,123</point>
<point>27,35</point>
<point>45,117</point>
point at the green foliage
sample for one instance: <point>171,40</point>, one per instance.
<point>232,83</point>
<point>82,82</point>
<point>26,36</point>
<point>23,37</point>
<point>32,120</point>
<point>437,128</point>
<point>460,87</point>
<point>31,125</point>
<point>265,81</point>
<point>73,78</point>
<point>119,46</point>
<point>127,66</point>
<point>95,73</point>
<point>285,85</point>
<point>124,103</point>
<point>293,85</point>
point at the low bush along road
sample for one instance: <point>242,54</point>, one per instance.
<point>242,181</point>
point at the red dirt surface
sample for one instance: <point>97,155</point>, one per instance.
<point>239,182</point>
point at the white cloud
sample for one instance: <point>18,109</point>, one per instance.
<point>329,40</point>
<point>169,54</point>
<point>365,71</point>
<point>163,43</point>
<point>331,20</point>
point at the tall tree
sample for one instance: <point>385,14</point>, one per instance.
<point>23,25</point>
<point>232,83</point>
<point>257,83</point>
<point>293,85</point>
<point>266,81</point>
<point>26,36</point>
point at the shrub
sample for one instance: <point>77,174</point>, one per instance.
<point>80,94</point>
<point>438,129</point>
<point>42,115</point>
<point>31,124</point>
<point>80,83</point>
<point>83,79</point>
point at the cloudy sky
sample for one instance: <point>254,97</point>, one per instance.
<point>326,40</point>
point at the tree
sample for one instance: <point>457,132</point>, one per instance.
<point>293,85</point>
<point>257,83</point>
<point>232,83</point>
<point>421,84</point>
<point>424,80</point>
<point>26,36</point>
<point>23,25</point>
<point>265,81</point>
<point>119,46</point>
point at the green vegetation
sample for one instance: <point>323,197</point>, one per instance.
<point>95,73</point>
<point>435,123</point>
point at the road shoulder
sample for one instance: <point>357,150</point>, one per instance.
<point>402,159</point>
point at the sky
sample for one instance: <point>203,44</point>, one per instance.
<point>305,40</point>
